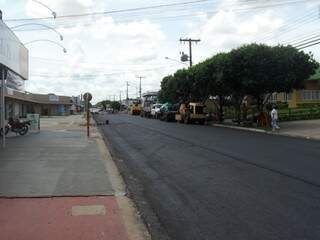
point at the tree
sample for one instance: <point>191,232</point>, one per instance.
<point>261,70</point>
<point>103,104</point>
<point>218,80</point>
<point>184,81</point>
<point>200,78</point>
<point>255,70</point>
<point>168,92</point>
<point>115,105</point>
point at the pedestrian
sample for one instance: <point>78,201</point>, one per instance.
<point>274,118</point>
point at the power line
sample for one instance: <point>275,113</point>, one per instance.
<point>301,38</point>
<point>310,45</point>
<point>84,76</point>
<point>307,43</point>
<point>78,63</point>
<point>305,40</point>
<point>290,27</point>
<point>113,11</point>
<point>260,6</point>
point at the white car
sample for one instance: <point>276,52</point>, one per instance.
<point>155,110</point>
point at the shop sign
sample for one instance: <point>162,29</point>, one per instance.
<point>53,98</point>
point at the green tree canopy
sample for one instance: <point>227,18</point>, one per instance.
<point>257,70</point>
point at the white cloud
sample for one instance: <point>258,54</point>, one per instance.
<point>226,29</point>
<point>124,51</point>
<point>104,54</point>
<point>61,7</point>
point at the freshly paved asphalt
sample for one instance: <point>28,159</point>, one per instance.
<point>215,183</point>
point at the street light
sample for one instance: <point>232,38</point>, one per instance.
<point>54,14</point>
<point>171,59</point>
<point>46,40</point>
<point>39,24</point>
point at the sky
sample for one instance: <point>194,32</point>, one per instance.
<point>106,50</point>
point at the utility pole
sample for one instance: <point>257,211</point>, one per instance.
<point>140,77</point>
<point>127,90</point>
<point>3,106</point>
<point>190,41</point>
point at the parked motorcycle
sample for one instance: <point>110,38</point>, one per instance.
<point>16,126</point>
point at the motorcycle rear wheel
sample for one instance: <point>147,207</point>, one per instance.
<point>23,130</point>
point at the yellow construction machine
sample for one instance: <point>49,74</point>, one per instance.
<point>135,108</point>
<point>191,112</point>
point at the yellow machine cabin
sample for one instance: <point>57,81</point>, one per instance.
<point>191,113</point>
<point>135,108</point>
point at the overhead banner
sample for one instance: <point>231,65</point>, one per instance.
<point>13,54</point>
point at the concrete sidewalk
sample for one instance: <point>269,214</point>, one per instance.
<point>308,129</point>
<point>82,195</point>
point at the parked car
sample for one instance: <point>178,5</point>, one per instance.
<point>155,110</point>
<point>168,112</point>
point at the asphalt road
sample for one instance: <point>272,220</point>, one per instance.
<point>215,183</point>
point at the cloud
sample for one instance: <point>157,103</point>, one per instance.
<point>227,29</point>
<point>103,56</point>
<point>62,7</point>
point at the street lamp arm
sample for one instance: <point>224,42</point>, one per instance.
<point>54,14</point>
<point>46,40</point>
<point>39,24</point>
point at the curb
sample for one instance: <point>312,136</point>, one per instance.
<point>293,136</point>
<point>240,128</point>
<point>132,220</point>
<point>134,191</point>
<point>266,132</point>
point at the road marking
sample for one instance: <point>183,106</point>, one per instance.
<point>88,210</point>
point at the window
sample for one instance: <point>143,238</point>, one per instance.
<point>273,97</point>
<point>199,110</point>
<point>311,95</point>
<point>287,97</point>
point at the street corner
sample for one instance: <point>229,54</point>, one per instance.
<point>87,218</point>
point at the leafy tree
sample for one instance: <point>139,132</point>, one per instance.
<point>108,104</point>
<point>261,70</point>
<point>103,104</point>
<point>199,76</point>
<point>115,105</point>
<point>168,92</point>
<point>218,79</point>
<point>256,70</point>
<point>264,69</point>
<point>184,81</point>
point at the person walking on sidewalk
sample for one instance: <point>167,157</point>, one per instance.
<point>274,119</point>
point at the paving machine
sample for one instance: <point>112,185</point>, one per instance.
<point>147,101</point>
<point>135,108</point>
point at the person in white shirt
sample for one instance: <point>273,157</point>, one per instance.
<point>274,119</point>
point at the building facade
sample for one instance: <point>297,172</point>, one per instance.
<point>19,104</point>
<point>309,95</point>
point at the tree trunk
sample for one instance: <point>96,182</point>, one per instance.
<point>238,110</point>
<point>237,106</point>
<point>263,120</point>
<point>221,109</point>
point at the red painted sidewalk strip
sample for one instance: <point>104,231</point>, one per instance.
<point>52,219</point>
